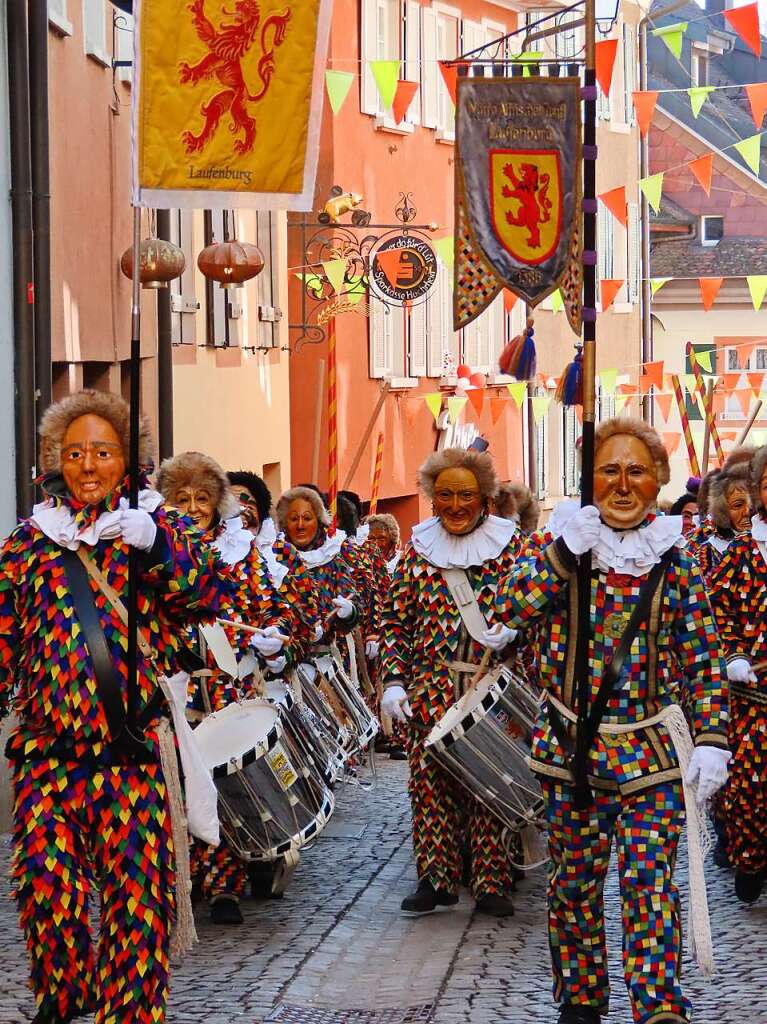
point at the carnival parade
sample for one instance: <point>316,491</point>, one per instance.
<point>383,580</point>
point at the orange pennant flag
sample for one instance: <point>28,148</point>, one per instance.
<point>477,398</point>
<point>645,383</point>
<point>403,97</point>
<point>609,288</point>
<point>450,76</point>
<point>604,54</point>
<point>615,201</point>
<point>664,404</point>
<point>703,168</point>
<point>756,381</point>
<point>509,300</point>
<point>757,98</point>
<point>718,405</point>
<point>655,372</point>
<point>497,407</point>
<point>744,400</point>
<point>745,21</point>
<point>671,441</point>
<point>709,289</point>
<point>644,104</point>
<point>730,381</point>
<point>744,354</point>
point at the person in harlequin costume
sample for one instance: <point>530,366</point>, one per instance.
<point>738,591</point>
<point>516,501</point>
<point>729,509</point>
<point>423,630</point>
<point>368,570</point>
<point>197,486</point>
<point>88,812</point>
<point>636,798</point>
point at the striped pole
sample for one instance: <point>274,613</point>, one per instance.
<point>685,421</point>
<point>332,425</point>
<point>377,474</point>
<point>708,407</point>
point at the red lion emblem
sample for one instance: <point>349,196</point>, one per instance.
<point>228,45</point>
<point>534,205</point>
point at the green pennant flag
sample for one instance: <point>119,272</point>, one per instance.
<point>703,359</point>
<point>620,403</point>
<point>455,407</point>
<point>386,74</point>
<point>434,402</point>
<point>757,285</point>
<point>445,249</point>
<point>672,36</point>
<point>656,283</point>
<point>518,391</point>
<point>335,271</point>
<point>356,290</point>
<point>607,379</point>
<point>750,150</point>
<point>698,97</point>
<point>312,282</point>
<point>557,302</point>
<point>338,84</point>
<point>652,188</point>
<point>528,57</point>
<point>540,407</point>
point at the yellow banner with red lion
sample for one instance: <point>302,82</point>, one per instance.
<point>227,102</point>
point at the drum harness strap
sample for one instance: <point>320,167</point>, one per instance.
<point>473,619</point>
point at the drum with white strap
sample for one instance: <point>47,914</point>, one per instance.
<point>309,733</point>
<point>346,699</point>
<point>271,799</point>
<point>484,741</point>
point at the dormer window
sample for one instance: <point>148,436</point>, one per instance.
<point>699,69</point>
<point>711,230</point>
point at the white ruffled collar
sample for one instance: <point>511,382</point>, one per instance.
<point>57,521</point>
<point>267,534</point>
<point>393,562</point>
<point>265,539</point>
<point>718,543</point>
<point>446,550</point>
<point>759,528</point>
<point>233,541</point>
<point>330,548</point>
<point>628,552</point>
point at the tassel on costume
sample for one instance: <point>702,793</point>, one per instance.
<point>570,387</point>
<point>518,358</point>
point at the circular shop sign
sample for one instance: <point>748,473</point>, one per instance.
<point>404,268</point>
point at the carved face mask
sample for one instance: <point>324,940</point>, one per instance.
<point>458,500</point>
<point>625,481</point>
<point>739,508</point>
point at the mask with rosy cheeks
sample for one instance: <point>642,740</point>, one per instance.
<point>739,508</point>
<point>625,481</point>
<point>198,504</point>
<point>301,524</point>
<point>382,539</point>
<point>92,459</point>
<point>457,500</point>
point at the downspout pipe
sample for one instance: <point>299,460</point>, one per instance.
<point>23,265</point>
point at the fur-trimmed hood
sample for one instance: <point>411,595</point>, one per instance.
<point>109,407</point>
<point>478,463</point>
<point>194,469</point>
<point>517,500</point>
<point>306,494</point>
<point>738,475</point>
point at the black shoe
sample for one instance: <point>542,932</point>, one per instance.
<point>381,744</point>
<point>397,754</point>
<point>573,1013</point>
<point>495,905</point>
<point>721,856</point>
<point>749,885</point>
<point>426,899</point>
<point>226,910</point>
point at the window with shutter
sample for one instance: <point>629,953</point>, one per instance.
<point>430,73</point>
<point>95,31</point>
<point>605,404</point>
<point>398,344</point>
<point>541,454</point>
<point>571,431</point>
<point>630,58</point>
<point>227,303</point>
<point>548,45</point>
<point>617,96</point>
<point>417,342</point>
<point>183,300</point>
<point>267,300</point>
<point>387,42</point>
<point>569,40</point>
<point>369,52</point>
<point>57,16</point>
<point>413,56</point>
<point>471,343</point>
<point>447,49</point>
<point>634,258</point>
<point>379,328</point>
<point>605,244</point>
<point>124,45</point>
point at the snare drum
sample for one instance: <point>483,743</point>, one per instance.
<point>271,799</point>
<point>484,741</point>
<point>346,699</point>
<point>311,737</point>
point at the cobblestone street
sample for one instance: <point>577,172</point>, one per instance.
<point>337,941</point>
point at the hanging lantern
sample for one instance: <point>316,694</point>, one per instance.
<point>159,261</point>
<point>231,263</point>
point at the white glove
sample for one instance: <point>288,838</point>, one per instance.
<point>318,633</point>
<point>582,531</point>
<point>277,665</point>
<point>344,606</point>
<point>395,704</point>
<point>739,671</point>
<point>268,641</point>
<point>709,767</point>
<point>371,649</point>
<point>498,637</point>
<point>138,528</point>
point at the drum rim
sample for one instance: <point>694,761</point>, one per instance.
<point>260,749</point>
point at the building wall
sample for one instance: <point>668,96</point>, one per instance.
<point>7,436</point>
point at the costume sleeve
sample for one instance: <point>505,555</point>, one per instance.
<point>729,587</point>
<point>398,626</point>
<point>10,632</point>
<point>698,654</point>
<point>539,577</point>
<point>345,588</point>
<point>301,598</point>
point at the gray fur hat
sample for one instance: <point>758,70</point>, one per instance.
<point>193,469</point>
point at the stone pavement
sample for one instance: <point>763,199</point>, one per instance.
<point>337,941</point>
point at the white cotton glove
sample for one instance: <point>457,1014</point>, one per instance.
<point>582,531</point>
<point>277,665</point>
<point>318,633</point>
<point>371,649</point>
<point>739,671</point>
<point>345,608</point>
<point>709,768</point>
<point>498,637</point>
<point>269,641</point>
<point>137,528</point>
<point>395,704</point>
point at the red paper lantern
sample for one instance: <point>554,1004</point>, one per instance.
<point>159,262</point>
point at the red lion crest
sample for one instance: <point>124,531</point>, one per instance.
<point>228,45</point>
<point>534,205</point>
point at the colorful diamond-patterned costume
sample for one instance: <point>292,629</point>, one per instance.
<point>634,774</point>
<point>83,818</point>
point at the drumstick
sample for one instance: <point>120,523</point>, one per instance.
<point>238,625</point>
<point>481,671</point>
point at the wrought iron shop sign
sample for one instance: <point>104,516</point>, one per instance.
<point>518,190</point>
<point>403,268</point>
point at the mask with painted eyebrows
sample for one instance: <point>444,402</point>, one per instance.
<point>625,481</point>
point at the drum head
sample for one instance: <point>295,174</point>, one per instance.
<point>277,692</point>
<point>454,715</point>
<point>234,731</point>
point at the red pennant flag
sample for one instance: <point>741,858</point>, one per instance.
<point>655,372</point>
<point>450,76</point>
<point>745,21</point>
<point>628,389</point>
<point>497,407</point>
<point>744,354</point>
<point>744,400</point>
<point>757,97</point>
<point>703,168</point>
<point>756,380</point>
<point>730,381</point>
<point>645,383</point>
<point>664,404</point>
<point>709,289</point>
<point>509,300</point>
<point>615,201</point>
<point>644,104</point>
<point>476,397</point>
<point>579,413</point>
<point>391,264</point>
<point>609,288</point>
<point>604,53</point>
<point>403,97</point>
<point>671,441</point>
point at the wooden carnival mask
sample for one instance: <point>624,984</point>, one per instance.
<point>92,459</point>
<point>458,500</point>
<point>625,481</point>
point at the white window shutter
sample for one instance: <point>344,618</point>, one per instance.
<point>418,341</point>
<point>617,95</point>
<point>634,243</point>
<point>496,321</point>
<point>183,299</point>
<point>605,262</point>
<point>413,56</point>
<point>368,37</point>
<point>380,339</point>
<point>471,345</point>
<point>124,44</point>
<point>629,72</point>
<point>473,35</point>
<point>397,341</point>
<point>430,73</point>
<point>435,326</point>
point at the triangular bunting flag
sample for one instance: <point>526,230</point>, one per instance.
<point>652,187</point>
<point>654,371</point>
<point>477,398</point>
<point>645,383</point>
<point>312,282</point>
<point>518,391</point>
<point>604,55</point>
<point>698,95</point>
<point>757,285</point>
<point>386,75</point>
<point>497,408</point>
<point>620,403</point>
<point>745,21</point>
<point>720,400</point>
<point>615,201</point>
<point>671,440</point>
<point>709,289</point>
<point>607,380</point>
<point>703,359</point>
<point>750,150</point>
<point>755,380</point>
<point>757,98</point>
<point>644,104</point>
<point>450,77</point>
<point>557,301</point>
<point>403,97</point>
<point>455,406</point>
<point>745,351</point>
<point>509,300</point>
<point>730,381</point>
<point>743,398</point>
<point>672,36</point>
<point>338,84</point>
<point>445,249</point>
<point>541,404</point>
<point>703,168</point>
<point>335,271</point>
<point>663,402</point>
<point>434,402</point>
<point>609,288</point>
<point>656,283</point>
